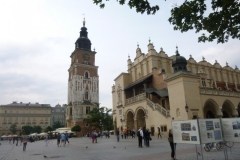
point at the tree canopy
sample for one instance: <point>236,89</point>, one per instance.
<point>57,124</point>
<point>219,22</point>
<point>76,128</point>
<point>100,118</point>
<point>27,129</point>
<point>13,128</point>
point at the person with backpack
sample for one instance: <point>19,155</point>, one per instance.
<point>140,137</point>
<point>25,140</point>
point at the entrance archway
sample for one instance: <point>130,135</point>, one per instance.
<point>140,117</point>
<point>227,109</point>
<point>210,109</point>
<point>130,120</point>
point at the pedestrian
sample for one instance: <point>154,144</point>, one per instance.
<point>63,139</point>
<point>172,144</point>
<point>122,134</point>
<point>133,133</point>
<point>125,133</point>
<point>58,139</point>
<point>93,137</point>
<point>25,143</point>
<point>46,140</point>
<point>159,133</point>
<point>66,135</point>
<point>144,139</point>
<point>147,137</point>
<point>140,137</point>
<point>96,135</point>
<point>117,133</point>
<point>17,141</point>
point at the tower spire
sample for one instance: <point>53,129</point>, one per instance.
<point>84,20</point>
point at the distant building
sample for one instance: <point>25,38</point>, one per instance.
<point>58,114</point>
<point>22,114</point>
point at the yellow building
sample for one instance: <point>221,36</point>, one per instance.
<point>158,88</point>
<point>22,114</point>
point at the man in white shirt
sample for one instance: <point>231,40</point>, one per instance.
<point>140,137</point>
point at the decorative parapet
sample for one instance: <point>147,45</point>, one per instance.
<point>135,99</point>
<point>212,91</point>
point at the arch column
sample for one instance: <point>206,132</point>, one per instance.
<point>219,112</point>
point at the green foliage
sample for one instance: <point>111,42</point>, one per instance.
<point>27,130</point>
<point>57,125</point>
<point>99,118</point>
<point>36,129</point>
<point>13,128</point>
<point>48,129</point>
<point>140,5</point>
<point>220,24</point>
<point>76,128</point>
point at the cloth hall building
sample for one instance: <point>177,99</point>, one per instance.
<point>157,88</point>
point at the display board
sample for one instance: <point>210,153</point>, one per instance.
<point>210,130</point>
<point>185,132</point>
<point>231,129</point>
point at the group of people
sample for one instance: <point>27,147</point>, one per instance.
<point>62,139</point>
<point>23,140</point>
<point>145,134</point>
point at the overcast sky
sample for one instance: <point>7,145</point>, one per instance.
<point>37,37</point>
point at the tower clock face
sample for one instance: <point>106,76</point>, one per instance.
<point>86,56</point>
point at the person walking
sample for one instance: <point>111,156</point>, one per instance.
<point>63,140</point>
<point>17,141</point>
<point>147,137</point>
<point>172,144</point>
<point>125,133</point>
<point>66,135</point>
<point>140,137</point>
<point>25,140</point>
<point>159,133</point>
<point>93,137</point>
<point>96,135</point>
<point>58,139</point>
<point>133,133</point>
<point>144,139</point>
<point>117,133</point>
<point>46,140</point>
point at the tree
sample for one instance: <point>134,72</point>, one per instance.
<point>36,129</point>
<point>222,23</point>
<point>76,128</point>
<point>13,128</point>
<point>100,118</point>
<point>48,129</point>
<point>57,125</point>
<point>27,129</point>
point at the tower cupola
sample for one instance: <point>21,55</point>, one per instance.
<point>83,42</point>
<point>179,62</point>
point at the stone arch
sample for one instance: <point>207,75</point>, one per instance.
<point>210,109</point>
<point>140,117</point>
<point>130,119</point>
<point>238,108</point>
<point>86,74</point>
<point>228,109</point>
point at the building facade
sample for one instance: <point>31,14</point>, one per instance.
<point>157,88</point>
<point>58,113</point>
<point>83,83</point>
<point>22,114</point>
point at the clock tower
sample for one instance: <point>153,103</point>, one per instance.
<point>83,83</point>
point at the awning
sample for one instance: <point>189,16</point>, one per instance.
<point>139,81</point>
<point>161,93</point>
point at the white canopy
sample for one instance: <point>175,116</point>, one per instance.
<point>3,136</point>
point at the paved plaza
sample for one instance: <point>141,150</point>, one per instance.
<point>127,149</point>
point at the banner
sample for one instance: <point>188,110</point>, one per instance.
<point>210,130</point>
<point>231,129</point>
<point>185,132</point>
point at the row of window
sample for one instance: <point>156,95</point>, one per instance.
<point>24,118</point>
<point>20,126</point>
<point>25,111</point>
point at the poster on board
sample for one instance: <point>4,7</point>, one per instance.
<point>210,130</point>
<point>231,129</point>
<point>185,132</point>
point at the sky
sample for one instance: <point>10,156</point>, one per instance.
<point>37,38</point>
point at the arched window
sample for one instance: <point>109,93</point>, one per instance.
<point>86,95</point>
<point>86,74</point>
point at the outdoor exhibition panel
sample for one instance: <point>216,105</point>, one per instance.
<point>186,132</point>
<point>210,130</point>
<point>231,129</point>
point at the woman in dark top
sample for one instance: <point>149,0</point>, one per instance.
<point>147,137</point>
<point>172,145</point>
